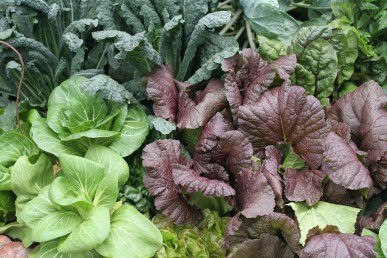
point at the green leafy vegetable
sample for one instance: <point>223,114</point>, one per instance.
<point>320,215</point>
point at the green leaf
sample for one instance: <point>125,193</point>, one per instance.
<point>63,193</point>
<point>36,209</point>
<point>107,88</point>
<point>54,225</point>
<point>14,145</point>
<point>49,249</point>
<point>217,204</point>
<point>378,247</point>
<point>192,12</point>
<point>290,159</point>
<point>270,49</point>
<point>163,126</point>
<point>131,235</point>
<point>7,203</point>
<point>133,133</point>
<point>107,192</point>
<point>48,140</point>
<point>383,237</point>
<point>83,175</point>
<point>267,20</point>
<point>320,58</point>
<point>88,234</point>
<point>30,178</point>
<point>111,161</point>
<point>8,118</point>
<point>323,214</point>
<point>5,179</point>
<point>210,21</point>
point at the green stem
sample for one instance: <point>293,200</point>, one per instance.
<point>250,36</point>
<point>232,21</point>
<point>310,6</point>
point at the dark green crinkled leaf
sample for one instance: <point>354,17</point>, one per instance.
<point>210,21</point>
<point>270,49</point>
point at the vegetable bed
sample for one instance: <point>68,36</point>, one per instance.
<point>172,128</point>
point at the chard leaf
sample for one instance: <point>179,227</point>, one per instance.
<point>319,57</point>
<point>14,145</point>
<point>31,178</point>
<point>339,245</point>
<point>49,249</point>
<point>270,49</point>
<point>321,215</point>
<point>210,21</point>
<point>131,234</point>
<point>92,231</point>
<point>54,225</point>
<point>133,133</point>
<point>111,161</point>
<point>266,19</point>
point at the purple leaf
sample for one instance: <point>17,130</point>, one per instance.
<point>195,109</point>
<point>241,75</point>
<point>192,182</point>
<point>159,158</point>
<point>275,224</point>
<point>339,245</point>
<point>304,185</point>
<point>162,90</point>
<point>234,151</point>
<point>286,114</point>
<point>342,165</point>
<point>255,197</point>
<point>268,246</point>
<point>281,68</point>
<point>270,171</point>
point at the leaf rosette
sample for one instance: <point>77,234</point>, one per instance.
<point>79,116</point>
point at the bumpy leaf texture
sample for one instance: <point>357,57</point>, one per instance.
<point>339,245</point>
<point>304,185</point>
<point>342,165</point>
<point>192,182</point>
<point>159,158</point>
<point>275,224</point>
<point>286,114</point>
<point>161,89</point>
<point>196,110</point>
<point>250,76</point>
<point>364,111</point>
<point>267,246</point>
<point>254,195</point>
<point>214,129</point>
<point>270,171</point>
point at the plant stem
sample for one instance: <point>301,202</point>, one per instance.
<point>232,21</point>
<point>250,36</point>
<point>20,83</point>
<point>224,3</point>
<point>310,6</point>
<point>241,30</point>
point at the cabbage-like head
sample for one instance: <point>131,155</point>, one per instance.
<point>77,118</point>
